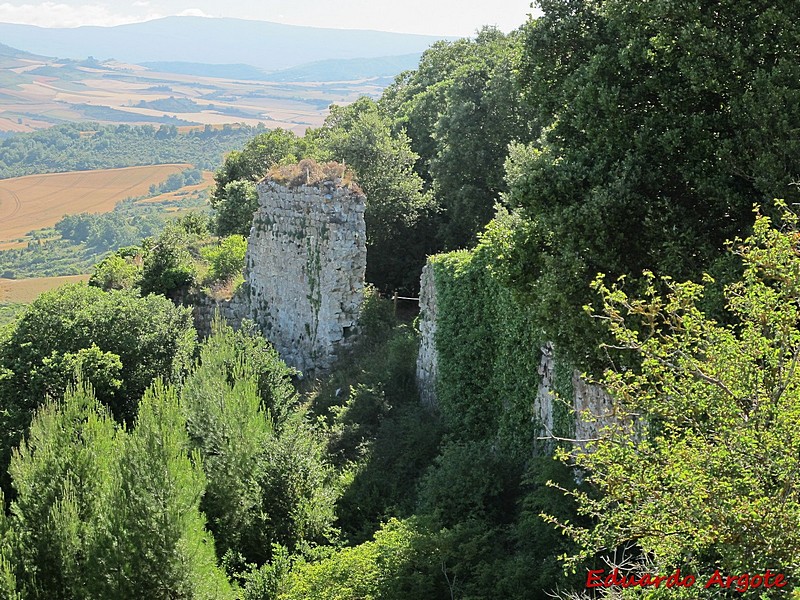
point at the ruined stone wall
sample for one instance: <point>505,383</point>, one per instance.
<point>427,359</point>
<point>305,265</point>
<point>233,311</point>
<point>584,396</point>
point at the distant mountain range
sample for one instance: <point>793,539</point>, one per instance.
<point>336,69</point>
<point>260,44</point>
<point>348,69</point>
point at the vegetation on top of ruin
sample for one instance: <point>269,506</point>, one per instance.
<point>313,173</point>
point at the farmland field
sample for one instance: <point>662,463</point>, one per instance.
<point>186,191</point>
<point>38,93</point>
<point>22,291</point>
<point>39,201</point>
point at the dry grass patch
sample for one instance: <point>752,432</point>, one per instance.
<point>310,172</point>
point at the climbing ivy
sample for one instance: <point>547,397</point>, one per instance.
<point>488,347</point>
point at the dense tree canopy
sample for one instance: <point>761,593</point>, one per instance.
<point>662,126</point>
<point>117,340</point>
<point>698,468</point>
<point>84,146</point>
<point>268,481</point>
<point>461,108</point>
<point>616,137</point>
<point>101,512</point>
<point>150,337</point>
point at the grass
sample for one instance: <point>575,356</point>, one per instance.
<point>8,312</point>
<point>310,172</point>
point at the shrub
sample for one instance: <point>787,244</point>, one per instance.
<point>168,266</point>
<point>227,258</point>
<point>115,273</point>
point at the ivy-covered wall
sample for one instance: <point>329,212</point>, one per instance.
<point>483,361</point>
<point>487,350</point>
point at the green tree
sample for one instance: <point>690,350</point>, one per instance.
<point>234,210</point>
<point>228,425</point>
<point>63,473</point>
<point>160,548</point>
<point>268,481</point>
<point>83,326</point>
<point>227,258</point>
<point>397,209</point>
<point>698,468</point>
<point>226,351</point>
<point>298,485</point>
<point>461,108</point>
<point>168,266</point>
<point>120,341</point>
<point>663,123</point>
<point>234,198</point>
<point>115,273</point>
<point>415,98</point>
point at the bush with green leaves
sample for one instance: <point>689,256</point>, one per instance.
<point>226,259</point>
<point>168,267</point>
<point>268,480</point>
<point>119,341</point>
<point>698,468</point>
<point>386,567</point>
<point>116,272</point>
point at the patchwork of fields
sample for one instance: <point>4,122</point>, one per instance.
<point>39,201</point>
<point>37,93</point>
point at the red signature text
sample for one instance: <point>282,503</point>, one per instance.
<point>743,582</point>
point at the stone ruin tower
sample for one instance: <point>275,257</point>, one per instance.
<point>305,266</point>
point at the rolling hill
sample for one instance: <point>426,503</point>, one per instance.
<point>264,45</point>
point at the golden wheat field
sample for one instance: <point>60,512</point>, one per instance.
<point>38,201</point>
<point>27,290</point>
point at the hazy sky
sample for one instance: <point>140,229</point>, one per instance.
<point>436,17</point>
